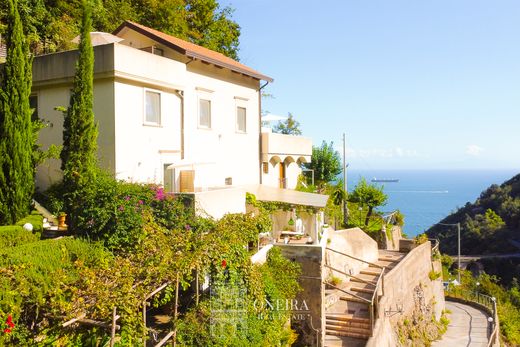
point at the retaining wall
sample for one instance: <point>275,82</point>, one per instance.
<point>407,286</point>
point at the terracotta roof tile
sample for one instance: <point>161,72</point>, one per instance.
<point>193,51</point>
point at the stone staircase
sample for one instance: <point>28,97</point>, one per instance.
<point>347,315</point>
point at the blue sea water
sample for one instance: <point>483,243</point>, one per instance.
<point>426,197</point>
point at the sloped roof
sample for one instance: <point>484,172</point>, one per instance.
<point>192,50</point>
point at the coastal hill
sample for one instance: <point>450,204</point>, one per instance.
<point>489,225</point>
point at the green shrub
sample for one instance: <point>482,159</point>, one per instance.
<point>35,219</point>
<point>14,235</point>
<point>433,275</point>
<point>35,279</point>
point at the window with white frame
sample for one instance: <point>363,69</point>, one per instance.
<point>204,113</point>
<point>152,108</point>
<point>241,119</point>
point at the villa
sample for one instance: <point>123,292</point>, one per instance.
<point>170,112</point>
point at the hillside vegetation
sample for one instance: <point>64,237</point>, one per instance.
<point>489,225</point>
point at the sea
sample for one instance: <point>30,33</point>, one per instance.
<point>427,196</point>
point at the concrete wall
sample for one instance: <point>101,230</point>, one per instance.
<point>392,242</point>
<point>311,281</point>
<point>404,285</point>
<point>216,203</point>
<point>52,76</point>
<point>354,242</point>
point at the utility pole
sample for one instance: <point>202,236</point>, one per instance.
<point>458,248</point>
<point>345,206</point>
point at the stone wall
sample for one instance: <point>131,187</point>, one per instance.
<point>407,289</point>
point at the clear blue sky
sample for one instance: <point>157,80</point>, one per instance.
<point>414,84</point>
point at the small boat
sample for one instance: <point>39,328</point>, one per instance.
<point>384,180</point>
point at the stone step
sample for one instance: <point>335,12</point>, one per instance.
<point>355,280</point>
<point>364,336</point>
<point>348,318</point>
<point>348,329</point>
<point>353,299</point>
<point>371,271</point>
<point>342,341</point>
<point>347,324</point>
<point>362,289</point>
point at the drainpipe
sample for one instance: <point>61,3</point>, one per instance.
<point>180,94</point>
<point>260,128</point>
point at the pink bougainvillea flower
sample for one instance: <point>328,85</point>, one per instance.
<point>224,263</point>
<point>159,194</point>
<point>127,197</point>
<point>187,227</point>
<point>121,208</point>
<point>141,202</point>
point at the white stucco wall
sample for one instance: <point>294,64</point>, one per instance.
<point>50,97</point>
<point>138,152</point>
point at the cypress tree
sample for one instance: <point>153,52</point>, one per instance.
<point>79,153</point>
<point>16,136</point>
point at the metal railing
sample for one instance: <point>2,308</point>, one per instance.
<point>488,302</point>
<point>435,245</point>
<point>374,300</point>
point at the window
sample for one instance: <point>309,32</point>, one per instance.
<point>241,119</point>
<point>153,108</point>
<point>204,113</point>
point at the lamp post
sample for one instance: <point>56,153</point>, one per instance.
<point>458,246</point>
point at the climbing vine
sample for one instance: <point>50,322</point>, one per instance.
<point>45,283</point>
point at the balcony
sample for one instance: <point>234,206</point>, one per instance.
<point>284,146</point>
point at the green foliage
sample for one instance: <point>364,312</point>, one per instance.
<point>508,303</point>
<point>487,225</point>
<point>255,321</point>
<point>421,238</point>
<point>14,235</point>
<point>326,164</point>
<point>288,127</point>
<point>399,218</point>
<point>368,195</point>
<point>16,134</point>
<point>434,275</point>
<point>34,279</point>
<point>52,25</point>
<point>35,219</point>
<point>79,153</point>
<point>115,211</point>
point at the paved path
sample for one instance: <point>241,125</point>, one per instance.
<point>468,327</point>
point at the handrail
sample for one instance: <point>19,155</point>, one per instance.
<point>377,283</point>
<point>436,246</point>
<point>346,274</point>
<point>374,300</point>
<point>358,259</point>
<point>347,292</point>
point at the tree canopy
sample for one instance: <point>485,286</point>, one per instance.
<point>79,154</point>
<point>288,127</point>
<point>52,24</point>
<point>16,134</point>
<point>368,195</point>
<point>326,163</point>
